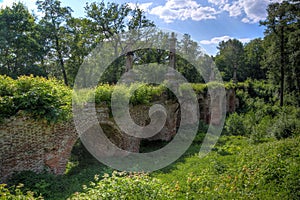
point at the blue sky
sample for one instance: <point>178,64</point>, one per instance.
<point>207,21</point>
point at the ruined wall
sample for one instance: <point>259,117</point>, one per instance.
<point>36,145</point>
<point>28,144</point>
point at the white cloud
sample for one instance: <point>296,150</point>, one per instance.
<point>181,4</point>
<point>252,10</point>
<point>245,40</point>
<point>168,15</point>
<point>217,40</point>
<point>142,6</point>
<point>203,13</point>
<point>256,10</point>
<point>234,9</point>
<point>218,2</point>
<point>183,10</point>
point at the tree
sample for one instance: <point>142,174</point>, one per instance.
<point>190,52</point>
<point>282,26</point>
<point>54,23</point>
<point>81,43</point>
<point>230,60</point>
<point>20,49</point>
<point>109,20</point>
<point>254,51</point>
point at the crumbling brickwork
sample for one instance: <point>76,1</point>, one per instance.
<point>37,145</point>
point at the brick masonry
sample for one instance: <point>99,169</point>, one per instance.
<point>36,145</point>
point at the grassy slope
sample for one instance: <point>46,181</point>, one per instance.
<point>238,169</point>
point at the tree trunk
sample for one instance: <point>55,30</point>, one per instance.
<point>282,65</point>
<point>61,61</point>
<point>234,74</point>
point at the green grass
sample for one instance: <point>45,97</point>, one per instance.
<point>239,169</point>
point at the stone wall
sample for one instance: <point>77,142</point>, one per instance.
<point>37,145</point>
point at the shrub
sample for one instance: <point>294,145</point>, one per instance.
<point>43,184</point>
<point>261,130</point>
<point>36,96</point>
<point>198,87</point>
<point>103,93</point>
<point>124,186</point>
<point>15,193</point>
<point>287,123</point>
<point>142,94</point>
<point>234,125</point>
<point>260,89</point>
<point>7,86</point>
<point>254,95</point>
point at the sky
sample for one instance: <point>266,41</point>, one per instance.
<point>207,21</point>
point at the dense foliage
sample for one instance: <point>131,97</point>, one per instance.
<point>57,43</point>
<point>36,96</point>
<point>15,193</point>
<point>281,43</point>
<point>260,115</point>
<point>50,99</point>
<point>274,58</point>
<point>20,47</point>
<point>125,186</point>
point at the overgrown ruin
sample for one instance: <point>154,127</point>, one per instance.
<point>36,145</point>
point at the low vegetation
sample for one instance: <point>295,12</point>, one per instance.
<point>35,96</point>
<point>235,169</point>
<point>49,99</point>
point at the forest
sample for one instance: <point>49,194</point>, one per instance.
<point>258,153</point>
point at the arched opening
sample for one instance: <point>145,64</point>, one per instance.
<point>81,161</point>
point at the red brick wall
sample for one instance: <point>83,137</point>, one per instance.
<point>34,145</point>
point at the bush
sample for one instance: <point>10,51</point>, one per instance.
<point>7,86</point>
<point>261,130</point>
<point>287,123</point>
<point>261,119</point>
<point>103,93</point>
<point>260,89</point>
<point>36,96</point>
<point>234,125</point>
<point>15,193</point>
<point>124,186</point>
<point>254,95</point>
<point>42,184</point>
